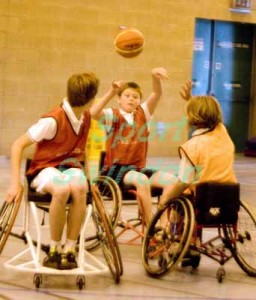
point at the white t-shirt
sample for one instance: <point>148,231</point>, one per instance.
<point>45,128</point>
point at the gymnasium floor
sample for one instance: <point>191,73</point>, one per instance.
<point>135,283</point>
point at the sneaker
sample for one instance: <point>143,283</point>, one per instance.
<point>68,261</point>
<point>52,260</point>
<point>174,249</point>
<point>191,258</point>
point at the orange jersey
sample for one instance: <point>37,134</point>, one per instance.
<point>212,154</point>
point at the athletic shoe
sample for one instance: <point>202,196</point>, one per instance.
<point>191,258</point>
<point>68,261</point>
<point>52,260</point>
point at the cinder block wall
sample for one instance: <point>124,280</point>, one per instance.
<point>43,42</point>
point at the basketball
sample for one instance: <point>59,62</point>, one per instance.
<point>129,42</point>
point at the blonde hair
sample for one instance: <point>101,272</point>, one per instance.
<point>204,112</point>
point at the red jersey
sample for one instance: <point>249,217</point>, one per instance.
<point>127,144</point>
<point>65,146</point>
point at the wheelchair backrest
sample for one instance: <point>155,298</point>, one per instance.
<point>217,203</point>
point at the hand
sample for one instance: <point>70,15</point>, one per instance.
<point>13,193</point>
<point>160,73</point>
<point>186,90</point>
<point>117,85</point>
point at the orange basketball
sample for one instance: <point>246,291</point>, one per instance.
<point>129,42</point>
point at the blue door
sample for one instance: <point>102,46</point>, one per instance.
<point>222,66</point>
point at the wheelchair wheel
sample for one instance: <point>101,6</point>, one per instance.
<point>111,195</point>
<point>8,213</point>
<point>242,243</point>
<point>163,248</point>
<point>106,236</point>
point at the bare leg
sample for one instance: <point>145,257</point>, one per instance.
<point>163,180</point>
<point>77,209</point>
<point>57,212</point>
<point>141,182</point>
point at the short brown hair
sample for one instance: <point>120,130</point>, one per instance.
<point>82,88</point>
<point>130,85</point>
<point>204,112</point>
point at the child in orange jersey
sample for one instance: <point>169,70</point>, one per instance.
<point>127,130</point>
<point>208,155</point>
<point>58,164</point>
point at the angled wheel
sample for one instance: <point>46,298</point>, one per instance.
<point>8,213</point>
<point>111,199</point>
<point>106,236</point>
<point>242,243</point>
<point>111,195</point>
<point>163,248</point>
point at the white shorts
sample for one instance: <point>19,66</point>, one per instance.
<point>52,174</point>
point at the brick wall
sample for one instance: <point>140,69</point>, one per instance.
<point>42,42</point>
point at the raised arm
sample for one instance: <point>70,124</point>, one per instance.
<point>16,156</point>
<point>158,75</point>
<point>97,107</point>
<point>186,91</point>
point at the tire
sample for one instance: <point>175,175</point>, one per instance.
<point>243,244</point>
<point>111,195</point>
<point>8,213</point>
<point>106,236</point>
<point>163,249</point>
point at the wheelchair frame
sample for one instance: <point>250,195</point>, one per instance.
<point>127,196</point>
<point>164,248</point>
<point>87,263</point>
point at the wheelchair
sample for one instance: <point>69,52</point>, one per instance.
<point>114,198</point>
<point>29,260</point>
<point>215,206</point>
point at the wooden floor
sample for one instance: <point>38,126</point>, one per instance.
<point>135,283</point>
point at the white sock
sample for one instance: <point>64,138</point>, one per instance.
<point>55,245</point>
<point>70,245</point>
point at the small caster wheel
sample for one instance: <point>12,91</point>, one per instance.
<point>240,238</point>
<point>37,280</point>
<point>80,282</point>
<point>248,236</point>
<point>220,274</point>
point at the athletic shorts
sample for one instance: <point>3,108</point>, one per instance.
<point>52,174</point>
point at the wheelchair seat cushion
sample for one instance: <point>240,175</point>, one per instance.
<point>217,203</point>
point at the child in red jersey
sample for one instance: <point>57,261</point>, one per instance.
<point>58,163</point>
<point>128,130</point>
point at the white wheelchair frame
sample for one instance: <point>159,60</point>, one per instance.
<point>87,263</point>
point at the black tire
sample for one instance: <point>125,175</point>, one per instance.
<point>80,282</point>
<point>160,255</point>
<point>243,243</point>
<point>106,236</point>
<point>8,213</point>
<point>111,195</point>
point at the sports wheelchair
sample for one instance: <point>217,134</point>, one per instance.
<point>114,198</point>
<point>87,263</point>
<point>215,205</point>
